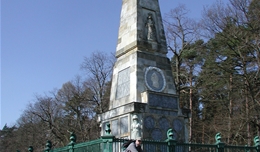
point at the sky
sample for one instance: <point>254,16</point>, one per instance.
<point>44,42</point>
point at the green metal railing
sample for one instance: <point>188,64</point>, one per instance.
<point>109,143</point>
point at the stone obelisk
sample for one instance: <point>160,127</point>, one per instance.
<point>143,100</point>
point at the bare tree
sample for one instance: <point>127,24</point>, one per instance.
<point>98,68</point>
<point>49,111</point>
<point>181,32</point>
<point>72,108</point>
<point>78,108</point>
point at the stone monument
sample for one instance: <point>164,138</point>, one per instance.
<point>143,100</point>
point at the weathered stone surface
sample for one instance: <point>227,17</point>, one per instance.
<point>124,125</point>
<point>163,101</point>
<point>164,124</point>
<point>114,125</point>
<point>156,126</point>
<point>141,27</point>
<point>123,83</point>
<point>128,108</point>
<point>155,79</point>
<point>143,99</point>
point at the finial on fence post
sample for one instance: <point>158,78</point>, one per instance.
<point>257,143</point>
<point>48,146</point>
<point>108,130</point>
<point>73,139</point>
<point>171,141</point>
<point>107,139</point>
<point>170,134</point>
<point>220,145</point>
<point>218,138</point>
<point>30,149</point>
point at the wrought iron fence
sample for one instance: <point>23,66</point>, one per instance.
<point>109,143</point>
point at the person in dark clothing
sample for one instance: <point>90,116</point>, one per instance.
<point>135,146</point>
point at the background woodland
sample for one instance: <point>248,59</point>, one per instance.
<point>216,66</point>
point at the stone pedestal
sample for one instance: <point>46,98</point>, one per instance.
<point>150,119</point>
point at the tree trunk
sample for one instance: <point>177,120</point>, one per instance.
<point>230,107</point>
<point>191,109</point>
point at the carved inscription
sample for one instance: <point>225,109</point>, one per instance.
<point>163,112</point>
<point>124,124</point>
<point>156,100</point>
<point>123,83</point>
<point>114,128</point>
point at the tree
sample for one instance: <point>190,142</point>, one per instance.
<point>78,109</point>
<point>233,56</point>
<point>98,68</point>
<point>180,31</point>
<point>72,108</point>
<point>7,134</point>
<point>182,35</point>
<point>49,113</point>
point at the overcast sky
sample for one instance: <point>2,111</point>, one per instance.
<point>43,43</point>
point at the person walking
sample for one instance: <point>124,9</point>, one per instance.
<point>135,146</point>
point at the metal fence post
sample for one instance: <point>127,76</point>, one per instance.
<point>258,148</point>
<point>220,145</point>
<point>72,142</point>
<point>108,139</point>
<point>171,141</point>
<point>171,145</point>
<point>48,146</point>
<point>246,148</point>
<point>30,149</point>
<point>257,143</point>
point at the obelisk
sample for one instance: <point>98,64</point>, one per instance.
<point>143,100</point>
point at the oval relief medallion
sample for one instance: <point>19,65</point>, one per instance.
<point>154,79</point>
